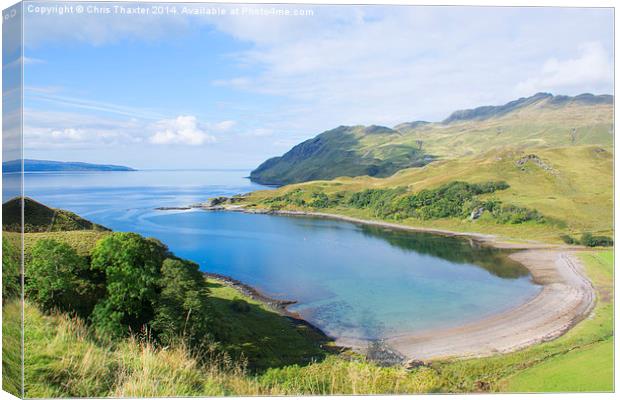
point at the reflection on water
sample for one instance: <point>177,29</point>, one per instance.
<point>456,249</point>
<point>350,280</point>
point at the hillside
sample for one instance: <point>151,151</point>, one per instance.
<point>49,166</point>
<point>539,121</point>
<point>41,218</point>
<point>571,187</point>
<point>66,356</point>
<point>344,151</point>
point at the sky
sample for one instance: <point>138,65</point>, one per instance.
<point>191,86</point>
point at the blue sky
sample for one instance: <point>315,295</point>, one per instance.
<point>186,91</point>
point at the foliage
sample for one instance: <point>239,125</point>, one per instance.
<point>568,239</point>
<point>183,310</point>
<point>587,239</point>
<point>58,278</point>
<point>11,266</point>
<point>132,268</point>
<point>455,199</point>
<point>240,306</point>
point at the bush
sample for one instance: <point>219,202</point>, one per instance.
<point>587,239</point>
<point>58,278</point>
<point>132,268</point>
<point>240,305</point>
<point>183,307</point>
<point>11,276</point>
<point>569,239</point>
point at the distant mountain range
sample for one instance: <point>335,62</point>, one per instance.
<point>542,120</point>
<point>45,165</point>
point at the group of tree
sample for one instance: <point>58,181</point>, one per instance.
<point>452,200</point>
<point>128,284</point>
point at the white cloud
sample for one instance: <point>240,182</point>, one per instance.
<point>78,130</point>
<point>67,134</point>
<point>184,130</point>
<point>386,65</point>
<point>224,126</point>
<point>591,68</point>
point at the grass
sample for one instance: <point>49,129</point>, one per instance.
<point>82,241</point>
<point>577,194</point>
<point>376,151</point>
<point>11,348</point>
<point>64,359</point>
<point>263,336</point>
<point>570,372</point>
<point>587,364</point>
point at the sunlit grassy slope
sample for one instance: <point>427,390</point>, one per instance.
<point>64,359</point>
<point>589,368</point>
<point>573,185</point>
<point>540,121</point>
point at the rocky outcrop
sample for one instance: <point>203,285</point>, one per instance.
<point>533,159</point>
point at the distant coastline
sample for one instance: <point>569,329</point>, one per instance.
<point>56,166</point>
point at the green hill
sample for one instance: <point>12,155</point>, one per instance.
<point>539,121</point>
<point>571,187</point>
<point>41,218</point>
<point>344,151</point>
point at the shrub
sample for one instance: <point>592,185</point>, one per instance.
<point>587,239</point>
<point>240,305</point>
<point>569,239</point>
<point>132,268</point>
<point>183,307</point>
<point>11,265</point>
<point>58,278</point>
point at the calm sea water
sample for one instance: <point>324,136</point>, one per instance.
<point>350,280</point>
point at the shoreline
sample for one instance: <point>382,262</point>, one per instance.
<point>567,297</point>
<point>279,306</point>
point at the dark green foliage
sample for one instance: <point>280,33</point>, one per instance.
<point>132,268</point>
<point>183,309</point>
<point>57,278</point>
<point>11,266</point>
<point>240,305</point>
<point>516,215</point>
<point>452,200</point>
<point>587,239</point>
<point>569,239</point>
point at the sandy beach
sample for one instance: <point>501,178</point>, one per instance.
<point>566,297</point>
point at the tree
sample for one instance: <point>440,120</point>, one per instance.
<point>132,268</point>
<point>183,308</point>
<point>58,278</point>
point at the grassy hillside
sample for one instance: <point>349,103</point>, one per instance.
<point>344,151</point>
<point>571,186</point>
<point>572,371</point>
<point>64,358</point>
<point>540,121</point>
<point>259,352</point>
<point>40,218</point>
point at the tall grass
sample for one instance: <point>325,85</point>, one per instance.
<point>64,359</point>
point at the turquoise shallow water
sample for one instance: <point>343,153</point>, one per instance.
<point>350,280</point>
